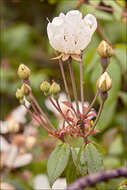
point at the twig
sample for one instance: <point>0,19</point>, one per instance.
<point>66,86</point>
<point>93,179</point>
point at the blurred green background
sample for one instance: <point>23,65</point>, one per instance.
<point>24,39</point>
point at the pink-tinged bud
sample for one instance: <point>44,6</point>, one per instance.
<point>105,50</point>
<point>23,72</point>
<point>104,83</point>
<point>26,89</point>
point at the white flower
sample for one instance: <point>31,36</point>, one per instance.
<point>71,33</point>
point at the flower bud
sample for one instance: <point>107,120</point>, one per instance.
<point>19,93</point>
<point>26,89</point>
<point>22,101</point>
<point>45,86</point>
<point>55,88</point>
<point>104,83</point>
<point>104,49</point>
<point>23,72</point>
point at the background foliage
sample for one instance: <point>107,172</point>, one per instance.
<point>24,39</point>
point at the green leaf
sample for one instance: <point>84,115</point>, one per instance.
<point>57,162</point>
<point>71,173</point>
<point>121,53</point>
<point>123,96</point>
<point>116,147</point>
<point>95,2</point>
<point>93,158</point>
<point>117,9</point>
<point>79,160</point>
<point>86,9</point>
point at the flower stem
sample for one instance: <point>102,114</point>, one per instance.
<point>40,117</point>
<point>91,105</point>
<point>98,116</point>
<point>59,110</point>
<point>36,118</point>
<point>41,111</point>
<point>73,85</point>
<point>81,83</point>
<point>66,86</point>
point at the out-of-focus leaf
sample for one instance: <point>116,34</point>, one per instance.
<point>86,9</point>
<point>94,159</point>
<point>116,147</point>
<point>123,96</point>
<point>65,6</point>
<point>57,162</point>
<point>122,3</point>
<point>93,2</point>
<point>117,9</point>
<point>111,162</point>
<point>121,53</point>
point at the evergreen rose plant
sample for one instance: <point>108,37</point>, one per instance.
<point>70,34</point>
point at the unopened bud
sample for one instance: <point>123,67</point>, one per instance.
<point>104,83</point>
<point>26,89</point>
<point>19,93</point>
<point>105,50</point>
<point>22,101</point>
<point>23,72</point>
<point>55,88</point>
<point>45,86</point>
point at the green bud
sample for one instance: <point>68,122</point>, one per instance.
<point>19,94</point>
<point>105,50</point>
<point>28,98</point>
<point>23,72</point>
<point>104,83</point>
<point>55,88</point>
<point>45,86</point>
<point>22,101</point>
<point>26,89</point>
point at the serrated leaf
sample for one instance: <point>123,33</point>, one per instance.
<point>93,158</point>
<point>78,155</point>
<point>71,173</point>
<point>57,162</point>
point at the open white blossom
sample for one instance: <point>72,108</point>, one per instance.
<point>71,33</point>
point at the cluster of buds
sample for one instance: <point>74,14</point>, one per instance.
<point>48,89</point>
<point>24,91</point>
